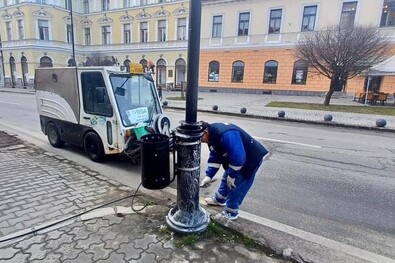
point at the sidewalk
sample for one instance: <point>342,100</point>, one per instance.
<point>231,103</point>
<point>46,215</point>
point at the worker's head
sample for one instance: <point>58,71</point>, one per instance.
<point>205,136</point>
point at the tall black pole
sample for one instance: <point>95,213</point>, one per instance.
<point>188,217</point>
<point>193,60</point>
<point>72,31</point>
<point>2,75</point>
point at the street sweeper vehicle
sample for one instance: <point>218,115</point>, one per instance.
<point>105,110</point>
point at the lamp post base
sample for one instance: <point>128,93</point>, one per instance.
<point>187,217</point>
<point>183,222</point>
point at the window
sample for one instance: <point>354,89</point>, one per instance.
<point>143,2</point>
<point>106,35</point>
<point>45,62</point>
<point>275,21</point>
<point>244,21</point>
<point>143,32</point>
<point>9,30</point>
<point>238,71</point>
<point>126,3</point>
<point>87,35</point>
<point>348,14</point>
<point>94,94</point>
<point>41,1</point>
<point>388,13</point>
<point>270,75</point>
<point>105,5</point>
<point>21,30</point>
<point>43,29</point>
<point>299,75</point>
<point>217,26</point>
<point>69,34</point>
<point>308,21</point>
<point>213,71</point>
<point>181,28</point>
<point>162,30</point>
<point>144,62</point>
<point>67,4</point>
<point>127,33</point>
<point>86,6</point>
<point>161,72</point>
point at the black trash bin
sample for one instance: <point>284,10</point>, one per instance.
<point>155,161</point>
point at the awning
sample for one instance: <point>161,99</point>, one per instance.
<point>385,68</point>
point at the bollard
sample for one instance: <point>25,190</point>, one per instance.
<point>328,117</point>
<point>215,107</point>
<point>243,110</point>
<point>281,114</point>
<point>165,103</point>
<point>381,123</point>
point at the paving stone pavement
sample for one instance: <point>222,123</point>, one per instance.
<point>43,195</point>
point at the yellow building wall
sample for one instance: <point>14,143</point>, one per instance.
<point>254,70</point>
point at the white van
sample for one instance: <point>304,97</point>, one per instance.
<point>105,110</point>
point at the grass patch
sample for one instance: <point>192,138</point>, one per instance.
<point>189,240</point>
<point>180,98</point>
<point>217,233</point>
<point>376,110</point>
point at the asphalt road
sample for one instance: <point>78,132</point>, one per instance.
<point>332,182</point>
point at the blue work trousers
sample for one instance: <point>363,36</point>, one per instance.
<point>234,197</point>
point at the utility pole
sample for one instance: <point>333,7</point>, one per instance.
<point>188,217</point>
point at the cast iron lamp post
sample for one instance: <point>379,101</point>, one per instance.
<point>188,217</point>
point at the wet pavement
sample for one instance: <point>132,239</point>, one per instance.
<point>54,210</point>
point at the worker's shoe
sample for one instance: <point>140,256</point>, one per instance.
<point>229,215</point>
<point>213,201</point>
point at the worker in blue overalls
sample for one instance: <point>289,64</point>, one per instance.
<point>240,155</point>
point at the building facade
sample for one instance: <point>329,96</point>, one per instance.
<point>40,34</point>
<point>246,45</point>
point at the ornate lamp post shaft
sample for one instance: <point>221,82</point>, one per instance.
<point>187,216</point>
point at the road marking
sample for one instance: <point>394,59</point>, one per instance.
<point>288,142</point>
<point>6,102</point>
<point>350,250</point>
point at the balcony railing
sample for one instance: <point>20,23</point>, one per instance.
<point>119,47</point>
<point>234,42</point>
<point>260,40</point>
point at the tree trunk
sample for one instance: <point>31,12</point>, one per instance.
<point>333,85</point>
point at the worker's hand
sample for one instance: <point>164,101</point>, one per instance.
<point>231,182</point>
<point>205,182</point>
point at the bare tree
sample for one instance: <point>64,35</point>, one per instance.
<point>343,53</point>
